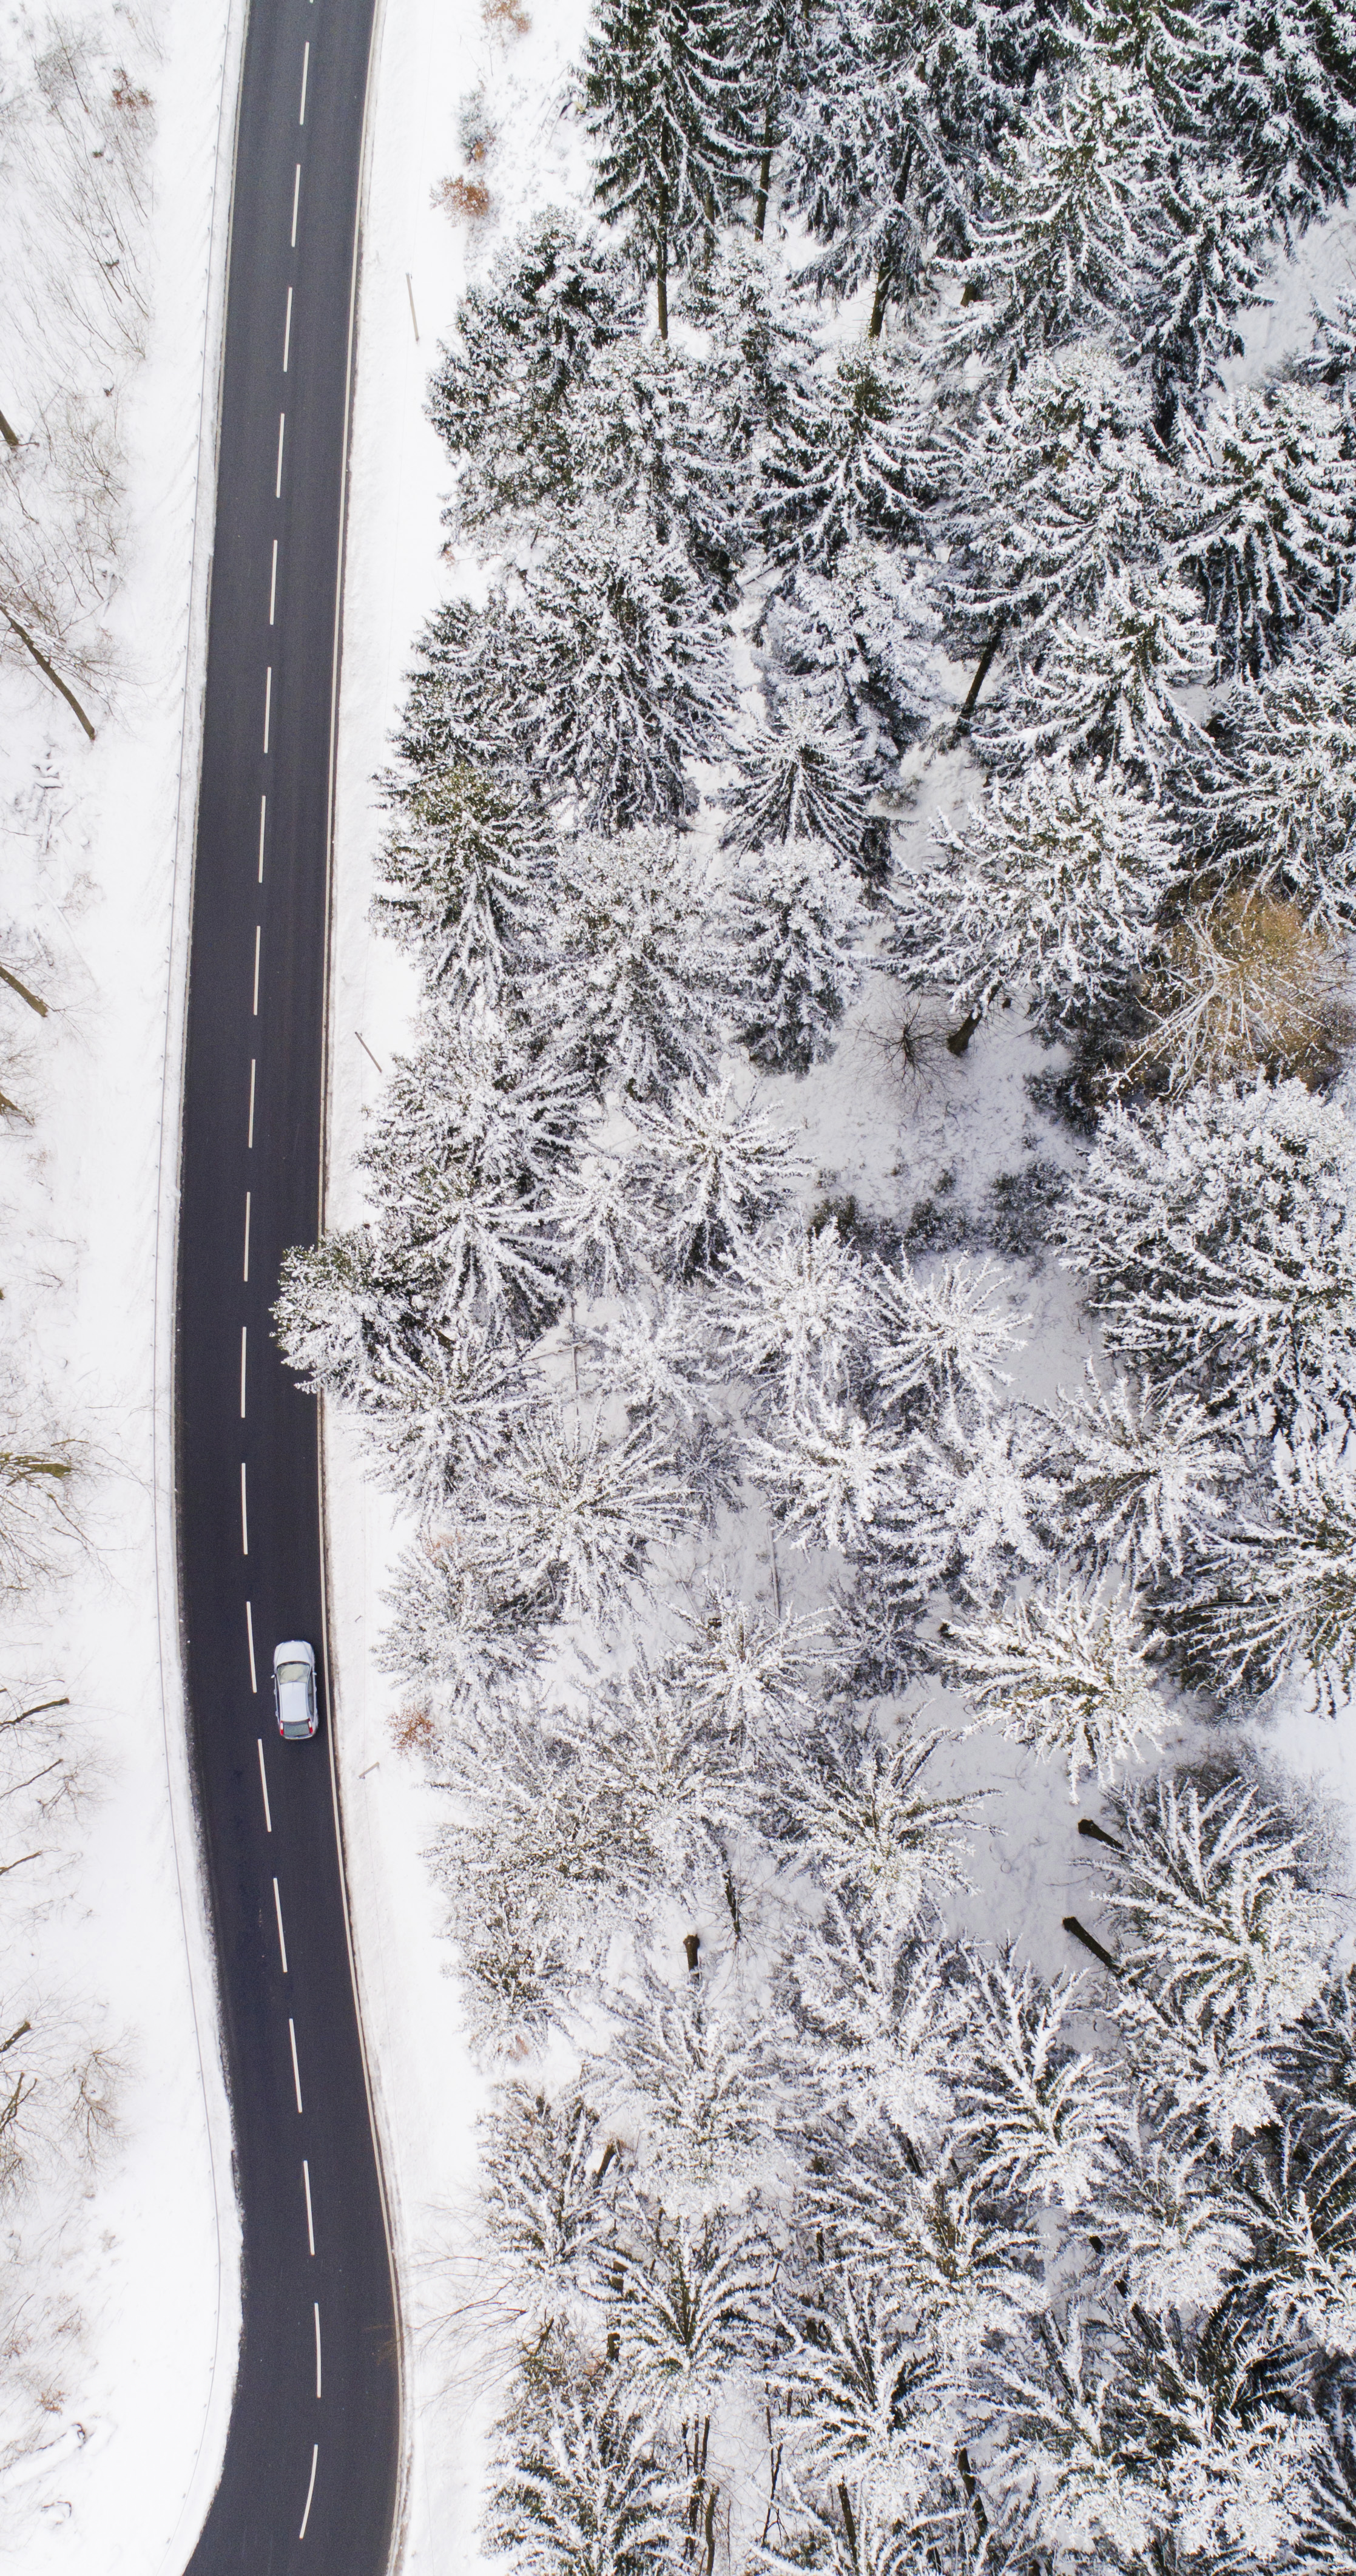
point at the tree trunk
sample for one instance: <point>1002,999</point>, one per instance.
<point>48,673</point>
<point>960,1038</point>
<point>764,176</point>
<point>849,2520</point>
<point>982,670</point>
<point>971,2486</point>
<point>877,321</point>
<point>23,992</point>
<point>661,281</point>
<point>10,436</point>
<point>1076,1932</point>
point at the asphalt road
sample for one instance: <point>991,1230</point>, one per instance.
<point>310,2474</point>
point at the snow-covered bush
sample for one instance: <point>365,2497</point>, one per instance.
<point>1050,889</point>
<point>1068,1670</point>
<point>1216,1238</point>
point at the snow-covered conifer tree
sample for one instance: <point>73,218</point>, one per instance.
<point>1140,1474</point>
<point>799,782</point>
<point>1265,518</point>
<point>710,1169</point>
<point>858,646</point>
<point>842,464</point>
<point>746,1674</point>
<point>643,444</point>
<point>1239,986</point>
<point>849,1806</point>
<point>1110,688</point>
<point>1215,1236</point>
<point>460,1637</point>
<point>665,106</point>
<point>548,2213</point>
<point>693,2313</point>
<point>940,1335</point>
<point>761,339</point>
<point>581,2486</point>
<point>1039,2114</point>
<point>1050,889</point>
<point>462,878</point>
<point>798,1305</point>
<point>634,973</point>
<point>1277,1590</point>
<point>797,920</point>
<point>696,2087</point>
<point>1281,805</point>
<point>969,1511</point>
<point>1068,1671</point>
<point>830,1473</point>
<point>574,1513</point>
<point>528,336</point>
<point>620,675</point>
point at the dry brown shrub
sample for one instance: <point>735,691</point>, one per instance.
<point>505,17</point>
<point>1245,985</point>
<point>468,198</point>
<point>413,1731</point>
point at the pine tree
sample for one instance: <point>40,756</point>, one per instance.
<point>694,2307</point>
<point>1038,2113</point>
<point>698,2090</point>
<point>459,1637</point>
<point>580,2487</point>
<point>664,105</point>
<point>1050,889</point>
<point>842,465</point>
<point>1210,246</point>
<point>799,781</point>
<point>620,676</point>
<point>574,1514</point>
<point>1215,1237</point>
<point>848,1806</point>
<point>830,1473</point>
<point>548,2213</point>
<point>968,1515</point>
<point>1141,1474</point>
<point>463,872</point>
<point>942,1335</point>
<point>500,401</point>
<point>644,445</point>
<point>1280,805</point>
<point>798,922</point>
<point>1067,1671</point>
<point>1277,1590</point>
<point>746,1674</point>
<point>710,1169</point>
<point>1111,688</point>
<point>633,967</point>
<point>857,647</point>
<point>797,1310</point>
<point>1266,517</point>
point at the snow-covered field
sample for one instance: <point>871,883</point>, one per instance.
<point>898,1140</point>
<point>113,2414</point>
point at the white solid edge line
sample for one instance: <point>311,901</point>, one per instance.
<point>185,1831</point>
<point>244,1515</point>
<point>254,1683</point>
<point>310,2222</point>
<point>316,2304</point>
<point>243,1330</point>
<point>315,2454</point>
<point>296,2071</point>
<point>282,1943</point>
<point>263,1783</point>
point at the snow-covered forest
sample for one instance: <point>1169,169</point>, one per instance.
<point>856,1300</point>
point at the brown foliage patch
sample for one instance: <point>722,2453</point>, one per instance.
<point>468,198</point>
<point>1243,986</point>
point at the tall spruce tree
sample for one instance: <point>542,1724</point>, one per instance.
<point>666,105</point>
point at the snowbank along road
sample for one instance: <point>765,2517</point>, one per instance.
<point>311,2463</point>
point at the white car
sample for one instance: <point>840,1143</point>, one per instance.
<point>294,1690</point>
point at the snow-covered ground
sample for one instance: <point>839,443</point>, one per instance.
<point>114,2435</point>
<point>867,1128</point>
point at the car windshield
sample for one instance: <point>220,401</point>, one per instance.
<point>292,1672</point>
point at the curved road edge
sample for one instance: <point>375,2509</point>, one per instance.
<point>389,2197</point>
<point>185,1825</point>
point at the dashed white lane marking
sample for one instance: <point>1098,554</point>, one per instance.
<point>243,1330</point>
<point>316,2304</point>
<point>245,1274</point>
<point>296,201</point>
<point>254,1686</point>
<point>277,485</point>
<point>258,936</point>
<point>273,576</point>
<point>287,343</point>
<point>263,1775</point>
<point>244,1515</point>
<point>296,2075</point>
<point>249,1141</point>
<point>305,75</point>
<point>306,2186</point>
<point>282,1943</point>
<point>268,704</point>
<point>315,2454</point>
<point>263,818</point>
